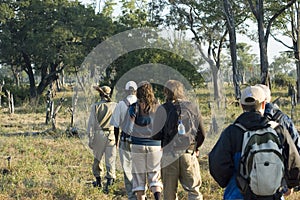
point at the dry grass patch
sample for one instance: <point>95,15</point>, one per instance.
<point>53,166</point>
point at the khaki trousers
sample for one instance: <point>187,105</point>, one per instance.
<point>103,145</point>
<point>185,169</point>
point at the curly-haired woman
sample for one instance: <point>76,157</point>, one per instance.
<point>146,152</point>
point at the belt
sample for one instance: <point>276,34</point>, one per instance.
<point>191,149</point>
<point>107,129</point>
<point>125,137</point>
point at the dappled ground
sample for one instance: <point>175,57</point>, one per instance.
<point>50,165</point>
<point>46,164</point>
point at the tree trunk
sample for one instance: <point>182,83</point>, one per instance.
<point>1,86</point>
<point>215,73</point>
<point>63,78</point>
<point>49,107</point>
<point>263,43</point>
<point>298,79</point>
<point>56,110</point>
<point>73,109</point>
<point>29,72</point>
<point>16,75</point>
<point>12,104</point>
<point>297,62</point>
<point>232,37</point>
<point>10,100</point>
<point>31,82</point>
<point>263,34</point>
<point>47,79</point>
<point>297,53</point>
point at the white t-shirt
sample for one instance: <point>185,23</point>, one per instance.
<point>120,111</point>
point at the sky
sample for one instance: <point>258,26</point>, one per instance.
<point>274,47</point>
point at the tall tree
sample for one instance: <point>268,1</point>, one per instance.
<point>46,37</point>
<point>232,35</point>
<point>295,33</point>
<point>235,15</point>
<point>265,13</point>
<point>210,22</point>
<point>289,25</point>
<point>208,28</point>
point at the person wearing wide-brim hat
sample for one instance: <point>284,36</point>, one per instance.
<point>104,92</point>
<point>101,137</point>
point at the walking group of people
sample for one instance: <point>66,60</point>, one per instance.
<point>159,144</point>
<point>152,154</point>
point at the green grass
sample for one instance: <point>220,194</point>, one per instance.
<point>54,166</point>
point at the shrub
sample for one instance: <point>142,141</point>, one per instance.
<point>20,93</point>
<point>283,80</point>
<point>254,80</point>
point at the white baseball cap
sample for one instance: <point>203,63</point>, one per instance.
<point>266,90</point>
<point>252,95</point>
<point>131,85</point>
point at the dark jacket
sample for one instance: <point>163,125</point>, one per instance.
<point>225,155</point>
<point>273,112</point>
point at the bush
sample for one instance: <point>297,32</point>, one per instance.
<point>254,80</point>
<point>283,80</point>
<point>20,94</point>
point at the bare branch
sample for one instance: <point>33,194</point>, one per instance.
<point>254,11</point>
<point>280,41</point>
<point>274,17</point>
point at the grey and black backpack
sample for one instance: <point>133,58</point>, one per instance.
<point>261,166</point>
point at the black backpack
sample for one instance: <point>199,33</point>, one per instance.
<point>186,113</point>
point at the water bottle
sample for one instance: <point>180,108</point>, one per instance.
<point>181,128</point>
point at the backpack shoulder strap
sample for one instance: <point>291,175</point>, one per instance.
<point>277,115</point>
<point>169,106</point>
<point>126,102</point>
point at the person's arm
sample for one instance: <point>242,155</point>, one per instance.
<point>287,122</point>
<point>90,127</point>
<point>221,159</point>
<point>115,121</point>
<point>116,133</point>
<point>201,134</point>
<point>292,160</point>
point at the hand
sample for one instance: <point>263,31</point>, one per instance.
<point>289,192</point>
<point>131,111</point>
<point>197,153</point>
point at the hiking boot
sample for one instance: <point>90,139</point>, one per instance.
<point>109,182</point>
<point>97,183</point>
